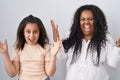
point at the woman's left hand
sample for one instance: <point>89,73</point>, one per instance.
<point>118,42</point>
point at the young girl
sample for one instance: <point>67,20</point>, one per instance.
<point>33,58</point>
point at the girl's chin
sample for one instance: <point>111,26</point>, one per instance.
<point>31,43</point>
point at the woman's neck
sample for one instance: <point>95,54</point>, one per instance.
<point>87,38</point>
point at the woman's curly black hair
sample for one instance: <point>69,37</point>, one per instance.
<point>76,35</point>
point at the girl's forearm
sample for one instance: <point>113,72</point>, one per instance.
<point>52,66</point>
<point>10,68</point>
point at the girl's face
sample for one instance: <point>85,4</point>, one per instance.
<point>87,24</point>
<point>31,33</point>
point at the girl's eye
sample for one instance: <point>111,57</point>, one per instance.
<point>35,32</point>
<point>28,31</point>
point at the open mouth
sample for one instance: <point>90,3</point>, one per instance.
<point>32,40</point>
<point>87,28</point>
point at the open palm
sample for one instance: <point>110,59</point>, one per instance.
<point>55,47</point>
<point>3,47</point>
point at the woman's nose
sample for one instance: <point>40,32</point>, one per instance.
<point>86,21</point>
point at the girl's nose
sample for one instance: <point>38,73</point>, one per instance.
<point>31,34</point>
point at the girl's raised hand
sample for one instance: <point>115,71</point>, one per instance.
<point>56,47</point>
<point>3,47</point>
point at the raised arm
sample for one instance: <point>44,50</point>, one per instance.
<point>57,43</point>
<point>9,65</point>
<point>118,42</point>
<point>51,64</point>
<point>113,53</point>
<point>55,30</point>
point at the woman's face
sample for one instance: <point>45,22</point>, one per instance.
<point>31,33</point>
<point>87,23</point>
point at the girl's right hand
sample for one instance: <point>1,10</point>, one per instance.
<point>4,47</point>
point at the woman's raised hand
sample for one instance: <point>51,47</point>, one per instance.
<point>118,42</point>
<point>55,30</point>
<point>57,42</point>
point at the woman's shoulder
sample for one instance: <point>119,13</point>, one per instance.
<point>110,39</point>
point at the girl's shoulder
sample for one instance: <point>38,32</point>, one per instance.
<point>47,46</point>
<point>15,50</point>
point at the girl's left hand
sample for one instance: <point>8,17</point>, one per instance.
<point>56,47</point>
<point>118,42</point>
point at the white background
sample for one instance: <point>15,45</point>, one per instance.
<point>13,11</point>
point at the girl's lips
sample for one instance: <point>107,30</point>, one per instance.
<point>31,40</point>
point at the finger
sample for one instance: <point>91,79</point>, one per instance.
<point>119,39</point>
<point>52,24</point>
<point>5,41</point>
<point>55,35</point>
<point>1,48</point>
<point>54,30</point>
<point>1,43</point>
<point>59,42</point>
<point>118,42</point>
<point>57,32</point>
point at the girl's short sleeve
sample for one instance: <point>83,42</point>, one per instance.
<point>15,55</point>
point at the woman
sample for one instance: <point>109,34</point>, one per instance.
<point>89,46</point>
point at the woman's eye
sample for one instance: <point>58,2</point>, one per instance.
<point>90,19</point>
<point>82,19</point>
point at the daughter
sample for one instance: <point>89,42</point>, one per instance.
<point>33,57</point>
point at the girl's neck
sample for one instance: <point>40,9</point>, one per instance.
<point>31,44</point>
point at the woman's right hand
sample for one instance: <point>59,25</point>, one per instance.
<point>4,47</point>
